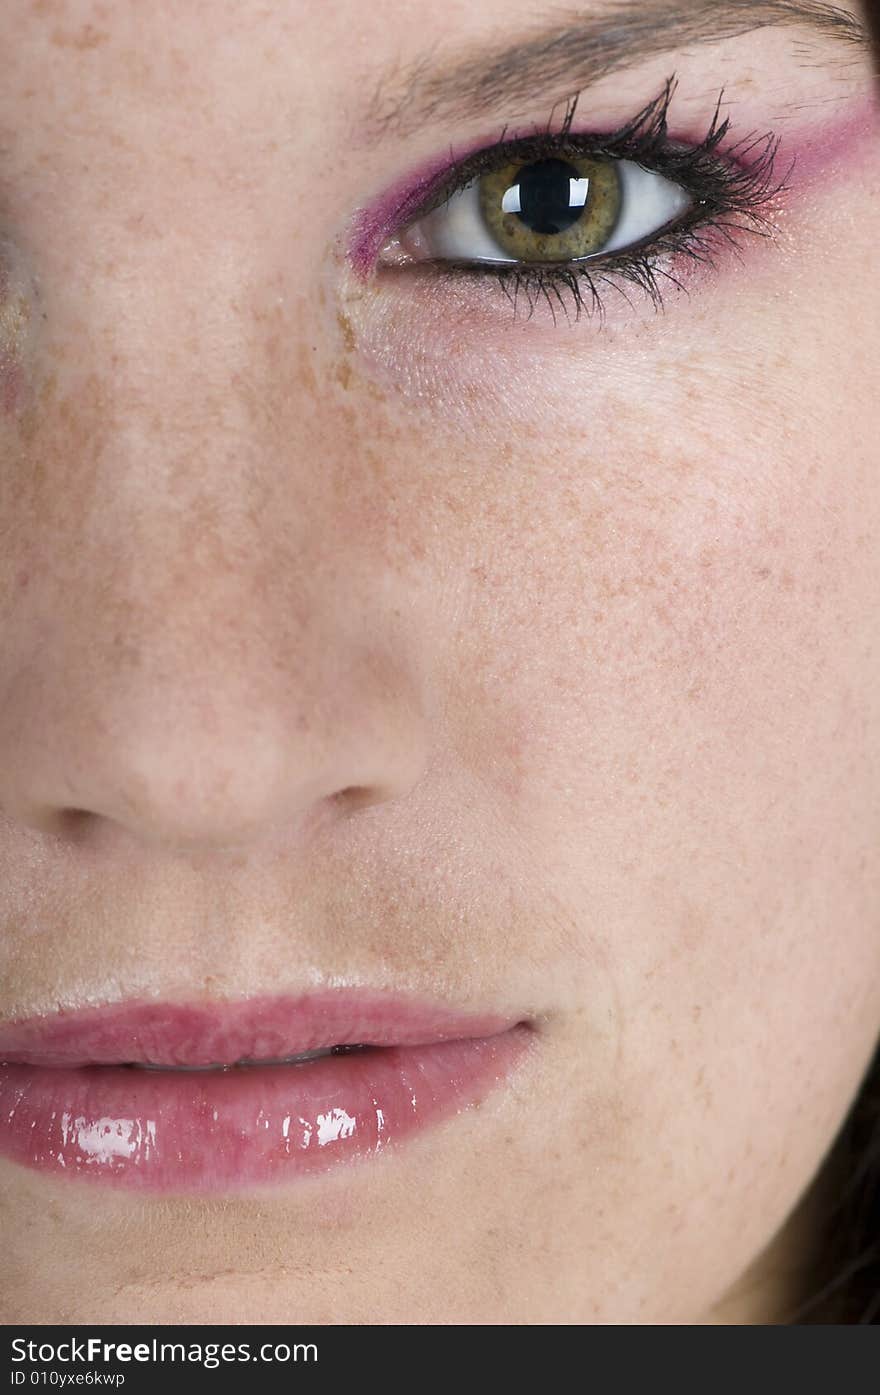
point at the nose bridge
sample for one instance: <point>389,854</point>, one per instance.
<point>192,453</point>
<point>216,668</point>
<point>199,327</point>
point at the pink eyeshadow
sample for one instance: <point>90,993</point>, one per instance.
<point>814,154</point>
<point>373,225</point>
<point>829,146</point>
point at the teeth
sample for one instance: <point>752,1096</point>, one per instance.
<point>301,1059</point>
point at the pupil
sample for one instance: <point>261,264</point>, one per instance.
<point>549,201</point>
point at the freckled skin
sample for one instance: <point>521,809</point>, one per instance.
<point>355,628</point>
<point>17,314</point>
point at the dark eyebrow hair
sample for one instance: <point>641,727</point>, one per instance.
<point>584,48</point>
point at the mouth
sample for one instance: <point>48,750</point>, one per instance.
<point>220,1097</point>
<point>302,1059</point>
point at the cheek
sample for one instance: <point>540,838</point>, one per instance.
<point>677,672</point>
<point>673,645</point>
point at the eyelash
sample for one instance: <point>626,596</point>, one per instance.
<point>729,192</point>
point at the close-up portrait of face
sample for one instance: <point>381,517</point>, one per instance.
<point>439,662</point>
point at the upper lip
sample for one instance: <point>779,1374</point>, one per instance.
<point>201,1032</point>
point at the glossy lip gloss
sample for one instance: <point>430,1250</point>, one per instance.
<point>101,1094</point>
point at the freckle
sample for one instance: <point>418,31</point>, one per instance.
<point>374,391</point>
<point>34,415</point>
<point>10,381</point>
<point>15,316</point>
<point>85,38</point>
<point>346,330</point>
<point>305,371</point>
<point>23,580</point>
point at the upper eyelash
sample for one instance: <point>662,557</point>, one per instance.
<point>737,185</point>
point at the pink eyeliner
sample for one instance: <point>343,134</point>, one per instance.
<point>392,210</point>
<point>807,156</point>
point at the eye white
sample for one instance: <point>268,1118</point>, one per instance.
<point>456,229</point>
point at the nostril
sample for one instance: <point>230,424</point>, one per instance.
<point>72,825</point>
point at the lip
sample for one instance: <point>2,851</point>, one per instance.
<point>71,1104</point>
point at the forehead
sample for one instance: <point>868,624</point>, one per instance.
<point>436,52</point>
<point>378,70</point>
<point>237,87</point>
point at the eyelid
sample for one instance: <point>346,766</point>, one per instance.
<point>418,193</point>
<point>732,185</point>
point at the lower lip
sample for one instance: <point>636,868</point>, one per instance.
<point>223,1131</point>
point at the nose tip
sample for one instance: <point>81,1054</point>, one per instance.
<point>79,827</point>
<point>230,775</point>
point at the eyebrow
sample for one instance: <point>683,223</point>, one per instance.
<point>584,49</point>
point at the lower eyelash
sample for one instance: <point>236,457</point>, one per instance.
<point>730,195</point>
<point>579,285</point>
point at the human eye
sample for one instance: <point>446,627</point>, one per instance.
<point>576,213</point>
<point>547,208</point>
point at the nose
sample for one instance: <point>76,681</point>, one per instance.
<point>194,755</point>
<point>202,649</point>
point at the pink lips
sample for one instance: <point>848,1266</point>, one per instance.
<point>71,1104</point>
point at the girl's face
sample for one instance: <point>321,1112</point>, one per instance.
<point>360,629</point>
